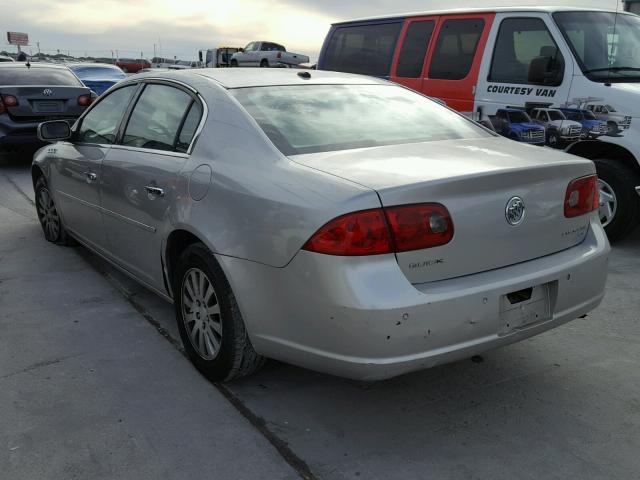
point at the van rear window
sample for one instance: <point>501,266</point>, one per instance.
<point>363,49</point>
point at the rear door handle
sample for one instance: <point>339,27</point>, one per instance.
<point>154,192</point>
<point>91,177</point>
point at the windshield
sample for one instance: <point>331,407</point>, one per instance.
<point>519,117</point>
<point>322,118</point>
<point>607,49</point>
<point>38,76</point>
<point>556,115</point>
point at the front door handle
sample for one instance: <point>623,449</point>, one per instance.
<point>91,177</point>
<point>154,192</point>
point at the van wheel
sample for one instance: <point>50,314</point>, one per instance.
<point>612,128</point>
<point>553,139</point>
<point>234,63</point>
<point>209,320</point>
<point>619,202</point>
<point>264,63</point>
<point>50,219</point>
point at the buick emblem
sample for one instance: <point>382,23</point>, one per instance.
<point>515,211</point>
<point>47,92</point>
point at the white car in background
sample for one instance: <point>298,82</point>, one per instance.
<point>267,54</point>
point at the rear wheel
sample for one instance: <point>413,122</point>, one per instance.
<point>264,63</point>
<point>619,202</point>
<point>49,217</point>
<point>209,320</point>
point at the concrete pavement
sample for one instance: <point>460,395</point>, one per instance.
<point>562,405</point>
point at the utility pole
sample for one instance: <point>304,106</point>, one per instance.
<point>154,50</point>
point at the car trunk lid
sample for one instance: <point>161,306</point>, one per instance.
<point>474,180</point>
<point>43,101</point>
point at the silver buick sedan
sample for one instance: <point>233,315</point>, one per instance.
<point>333,221</point>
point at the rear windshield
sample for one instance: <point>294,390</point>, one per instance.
<point>322,118</point>
<point>105,72</point>
<point>38,76</point>
<point>364,49</point>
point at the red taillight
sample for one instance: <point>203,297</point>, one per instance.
<point>415,227</point>
<point>359,233</point>
<point>10,101</point>
<point>378,231</point>
<point>582,196</point>
<point>279,55</point>
<point>85,100</point>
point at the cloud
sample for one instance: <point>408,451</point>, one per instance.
<point>183,27</point>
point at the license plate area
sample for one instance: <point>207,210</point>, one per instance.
<point>524,307</point>
<point>43,106</point>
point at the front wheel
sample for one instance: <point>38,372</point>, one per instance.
<point>234,63</point>
<point>619,202</point>
<point>50,220</point>
<point>553,139</point>
<point>209,320</point>
<point>612,128</point>
<point>264,63</point>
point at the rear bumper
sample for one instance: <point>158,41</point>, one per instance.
<point>360,318</point>
<point>18,134</point>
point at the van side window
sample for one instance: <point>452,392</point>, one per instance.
<point>526,53</point>
<point>364,49</point>
<point>414,48</point>
<point>455,49</point>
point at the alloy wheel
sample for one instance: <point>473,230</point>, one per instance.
<point>48,214</point>
<point>201,313</point>
<point>608,203</point>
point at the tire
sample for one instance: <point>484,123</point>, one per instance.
<point>553,139</point>
<point>234,63</point>
<point>619,180</point>
<point>612,129</point>
<point>48,215</point>
<point>219,346</point>
<point>264,63</point>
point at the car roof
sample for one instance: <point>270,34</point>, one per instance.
<point>262,77</point>
<point>453,11</point>
<point>100,65</point>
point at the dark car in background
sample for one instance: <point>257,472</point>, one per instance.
<point>30,94</point>
<point>131,65</point>
<point>99,77</point>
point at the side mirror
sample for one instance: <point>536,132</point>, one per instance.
<point>241,50</point>
<point>54,131</point>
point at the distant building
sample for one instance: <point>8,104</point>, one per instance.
<point>632,6</point>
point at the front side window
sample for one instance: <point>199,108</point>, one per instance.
<point>414,48</point>
<point>526,53</point>
<point>519,117</point>
<point>455,49</point>
<point>157,118</point>
<point>322,118</point>
<point>363,49</point>
<point>556,115</point>
<point>606,45</point>
<point>100,124</point>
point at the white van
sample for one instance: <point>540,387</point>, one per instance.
<point>582,63</point>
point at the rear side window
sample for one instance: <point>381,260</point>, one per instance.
<point>521,44</point>
<point>157,118</point>
<point>364,49</point>
<point>100,124</point>
<point>455,49</point>
<point>414,49</point>
<point>189,127</point>
<point>38,76</point>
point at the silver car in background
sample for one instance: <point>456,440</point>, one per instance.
<point>333,221</point>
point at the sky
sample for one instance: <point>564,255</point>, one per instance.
<point>181,28</point>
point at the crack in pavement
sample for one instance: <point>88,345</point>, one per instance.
<point>38,365</point>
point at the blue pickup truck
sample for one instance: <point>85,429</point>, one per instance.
<point>591,126</point>
<point>515,124</point>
